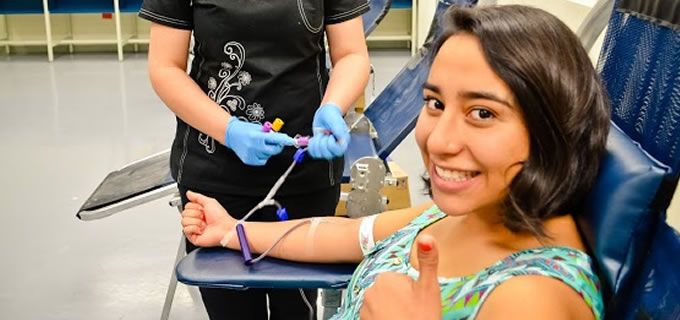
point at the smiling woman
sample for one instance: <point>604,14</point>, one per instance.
<point>471,132</point>
<point>548,85</point>
<point>511,133</point>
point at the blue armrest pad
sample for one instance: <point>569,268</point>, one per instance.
<point>224,268</point>
<point>618,221</point>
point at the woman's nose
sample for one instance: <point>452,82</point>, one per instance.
<point>447,136</point>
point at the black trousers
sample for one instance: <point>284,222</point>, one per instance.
<point>251,304</point>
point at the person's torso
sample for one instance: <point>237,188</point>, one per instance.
<point>463,296</point>
<point>258,60</point>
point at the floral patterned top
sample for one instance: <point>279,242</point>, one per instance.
<point>462,297</point>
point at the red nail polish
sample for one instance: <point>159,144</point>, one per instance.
<point>425,246</point>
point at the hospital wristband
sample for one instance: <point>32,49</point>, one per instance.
<point>366,241</point>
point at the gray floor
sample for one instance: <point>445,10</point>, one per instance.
<point>64,126</point>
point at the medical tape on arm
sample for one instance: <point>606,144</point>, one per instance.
<point>314,223</point>
<point>309,241</point>
<point>366,241</point>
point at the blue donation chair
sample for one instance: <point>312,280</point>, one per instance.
<point>624,223</point>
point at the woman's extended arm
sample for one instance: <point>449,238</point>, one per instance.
<point>168,53</point>
<point>329,239</point>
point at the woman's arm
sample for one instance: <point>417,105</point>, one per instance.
<point>168,53</point>
<point>329,239</point>
<point>349,57</point>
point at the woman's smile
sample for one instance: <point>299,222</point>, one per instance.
<point>452,180</point>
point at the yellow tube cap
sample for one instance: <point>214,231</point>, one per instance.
<point>277,124</point>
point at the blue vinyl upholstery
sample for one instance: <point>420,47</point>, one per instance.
<point>222,268</point>
<point>637,252</point>
<point>615,217</point>
<point>656,293</point>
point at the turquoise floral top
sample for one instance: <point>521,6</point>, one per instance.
<point>462,297</point>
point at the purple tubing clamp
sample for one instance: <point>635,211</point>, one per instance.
<point>299,155</point>
<point>243,242</point>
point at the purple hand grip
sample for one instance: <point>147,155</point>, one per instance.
<point>243,242</point>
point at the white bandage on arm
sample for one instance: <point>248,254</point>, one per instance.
<point>366,241</point>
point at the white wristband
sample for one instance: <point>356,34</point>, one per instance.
<point>366,241</point>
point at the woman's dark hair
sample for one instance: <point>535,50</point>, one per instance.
<point>564,105</point>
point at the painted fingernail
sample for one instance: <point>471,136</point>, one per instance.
<point>425,246</point>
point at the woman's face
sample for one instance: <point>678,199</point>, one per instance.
<point>470,132</point>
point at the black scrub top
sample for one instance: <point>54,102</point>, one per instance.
<point>258,60</point>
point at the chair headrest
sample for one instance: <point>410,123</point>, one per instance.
<point>618,220</point>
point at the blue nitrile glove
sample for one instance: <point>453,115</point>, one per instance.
<point>251,144</point>
<point>331,135</point>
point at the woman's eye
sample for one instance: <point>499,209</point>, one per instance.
<point>433,103</point>
<point>481,114</point>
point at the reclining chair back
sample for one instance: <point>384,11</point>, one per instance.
<point>624,221</point>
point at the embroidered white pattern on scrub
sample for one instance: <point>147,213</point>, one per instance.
<point>231,76</point>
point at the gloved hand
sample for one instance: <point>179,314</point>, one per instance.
<point>251,144</point>
<point>331,135</point>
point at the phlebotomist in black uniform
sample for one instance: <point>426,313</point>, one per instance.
<point>255,61</point>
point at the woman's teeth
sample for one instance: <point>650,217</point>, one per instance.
<point>455,175</point>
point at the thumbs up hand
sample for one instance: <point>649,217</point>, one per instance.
<point>398,296</point>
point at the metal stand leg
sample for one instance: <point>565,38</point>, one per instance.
<point>330,300</point>
<point>170,294</point>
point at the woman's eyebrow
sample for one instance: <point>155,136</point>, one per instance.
<point>485,95</point>
<point>431,87</point>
